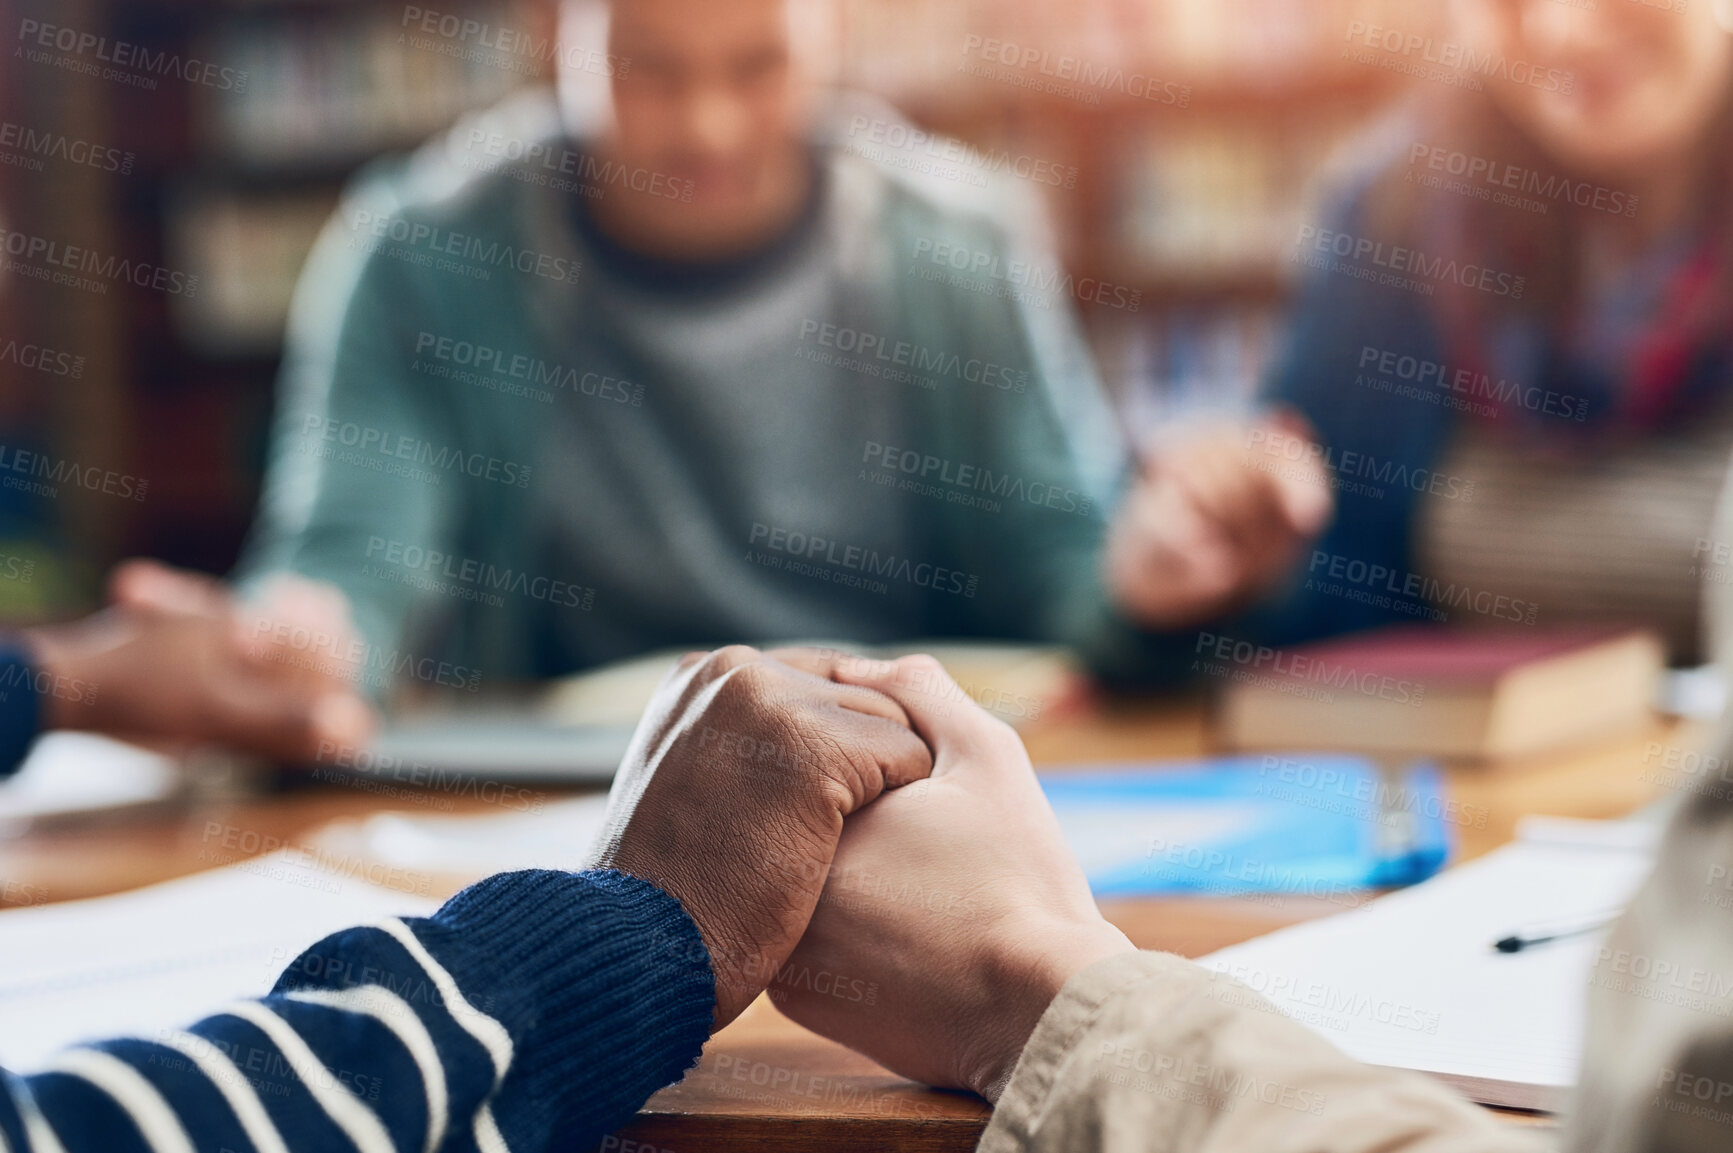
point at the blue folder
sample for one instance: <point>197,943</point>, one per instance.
<point>1307,824</point>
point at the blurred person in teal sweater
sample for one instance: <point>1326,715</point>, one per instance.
<point>694,350</point>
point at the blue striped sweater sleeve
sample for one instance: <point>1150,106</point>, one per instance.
<point>534,1009</point>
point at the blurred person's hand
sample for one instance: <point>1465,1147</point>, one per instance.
<point>295,631</point>
<point>733,793</point>
<point>1216,519</point>
<point>958,898</point>
<point>176,656</point>
<point>301,630</point>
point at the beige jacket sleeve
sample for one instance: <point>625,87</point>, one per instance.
<point>1148,1052</point>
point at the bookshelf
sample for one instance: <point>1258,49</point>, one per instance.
<point>76,413</point>
<point>240,120</point>
<point>1197,127</point>
<point>1202,129</point>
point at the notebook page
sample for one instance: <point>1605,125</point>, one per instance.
<point>163,956</point>
<point>1412,981</point>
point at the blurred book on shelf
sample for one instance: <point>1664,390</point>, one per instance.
<point>361,79</point>
<point>1091,50</point>
<point>247,252</point>
<point>1208,204</point>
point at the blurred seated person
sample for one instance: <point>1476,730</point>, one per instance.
<point>566,387</point>
<point>1537,436</point>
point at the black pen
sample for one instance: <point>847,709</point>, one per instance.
<point>1542,933</point>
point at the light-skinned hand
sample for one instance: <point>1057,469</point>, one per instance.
<point>1216,519</point>
<point>174,658</point>
<point>733,794</point>
<point>957,897</point>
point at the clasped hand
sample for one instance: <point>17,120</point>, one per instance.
<point>819,813</point>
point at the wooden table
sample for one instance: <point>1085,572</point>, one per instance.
<point>765,1084</point>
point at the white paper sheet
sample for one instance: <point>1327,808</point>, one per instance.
<point>1412,981</point>
<point>560,836</point>
<point>163,956</point>
<point>70,772</point>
